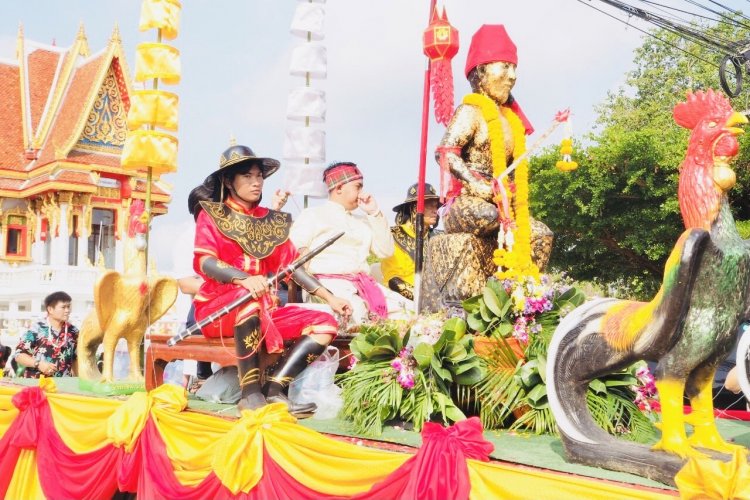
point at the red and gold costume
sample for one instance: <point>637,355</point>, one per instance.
<point>255,241</point>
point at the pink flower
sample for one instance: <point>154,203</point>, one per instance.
<point>406,379</point>
<point>352,362</point>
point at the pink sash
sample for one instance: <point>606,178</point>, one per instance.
<point>367,288</point>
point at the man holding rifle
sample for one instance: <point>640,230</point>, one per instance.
<point>238,245</point>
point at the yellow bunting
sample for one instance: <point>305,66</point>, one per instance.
<point>157,60</point>
<point>493,480</point>
<point>79,420</point>
<point>707,478</point>
<point>156,108</point>
<point>8,412</point>
<point>294,448</point>
<point>161,14</point>
<point>25,481</point>
<point>47,384</point>
<point>238,456</point>
<point>149,148</point>
<point>126,424</point>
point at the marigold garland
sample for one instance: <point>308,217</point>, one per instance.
<point>516,261</point>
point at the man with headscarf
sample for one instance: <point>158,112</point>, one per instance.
<point>343,267</point>
<point>238,245</point>
<point>398,269</point>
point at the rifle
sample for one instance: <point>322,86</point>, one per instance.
<point>284,273</point>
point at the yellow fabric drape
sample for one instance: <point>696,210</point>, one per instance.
<point>706,478</point>
<point>78,420</point>
<point>24,485</point>
<point>8,412</point>
<point>157,60</point>
<point>161,14</point>
<point>126,424</point>
<point>490,480</point>
<point>238,456</point>
<point>195,443</point>
<point>157,108</point>
<point>149,148</point>
<point>340,468</point>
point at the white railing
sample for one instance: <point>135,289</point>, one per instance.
<point>36,281</point>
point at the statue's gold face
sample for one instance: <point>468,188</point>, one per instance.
<point>498,80</point>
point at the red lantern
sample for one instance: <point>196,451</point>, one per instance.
<point>440,42</point>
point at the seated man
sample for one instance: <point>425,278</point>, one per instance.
<point>343,267</point>
<point>398,269</point>
<point>238,244</point>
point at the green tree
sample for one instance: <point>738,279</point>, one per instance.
<point>616,218</point>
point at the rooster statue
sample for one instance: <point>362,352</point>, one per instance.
<point>688,327</point>
<point>125,304</point>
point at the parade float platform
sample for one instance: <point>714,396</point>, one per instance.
<point>62,442</point>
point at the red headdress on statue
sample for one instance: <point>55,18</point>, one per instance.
<point>491,43</point>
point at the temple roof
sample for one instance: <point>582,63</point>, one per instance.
<point>64,115</point>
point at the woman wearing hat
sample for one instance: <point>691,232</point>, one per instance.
<point>398,269</point>
<point>238,244</point>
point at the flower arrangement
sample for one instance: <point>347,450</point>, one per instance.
<point>646,396</point>
<point>526,313</point>
<point>406,371</point>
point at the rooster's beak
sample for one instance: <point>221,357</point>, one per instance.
<point>735,119</point>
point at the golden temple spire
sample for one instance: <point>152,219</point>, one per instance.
<point>115,37</point>
<point>82,43</point>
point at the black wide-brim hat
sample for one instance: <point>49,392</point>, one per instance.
<point>238,155</point>
<point>411,195</point>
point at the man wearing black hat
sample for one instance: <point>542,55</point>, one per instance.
<point>238,244</point>
<point>398,269</point>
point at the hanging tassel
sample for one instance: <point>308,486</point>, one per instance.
<point>441,79</point>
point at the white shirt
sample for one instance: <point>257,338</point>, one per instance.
<point>363,234</point>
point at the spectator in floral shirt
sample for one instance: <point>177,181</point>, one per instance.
<point>49,347</point>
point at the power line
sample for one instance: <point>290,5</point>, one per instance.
<point>650,34</point>
<point>667,24</point>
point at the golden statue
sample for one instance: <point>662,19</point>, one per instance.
<point>487,131</point>
<point>125,304</point>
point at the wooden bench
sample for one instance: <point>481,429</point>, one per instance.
<point>219,350</point>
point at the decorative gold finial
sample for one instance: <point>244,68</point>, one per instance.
<point>115,37</point>
<point>232,140</point>
<point>81,41</point>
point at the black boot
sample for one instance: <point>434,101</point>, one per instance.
<point>304,352</point>
<point>246,342</point>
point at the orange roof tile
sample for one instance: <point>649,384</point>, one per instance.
<point>91,158</point>
<point>41,69</point>
<point>66,176</point>
<point>70,111</point>
<point>6,183</point>
<point>11,132</point>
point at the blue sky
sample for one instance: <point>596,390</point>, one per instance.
<point>235,77</point>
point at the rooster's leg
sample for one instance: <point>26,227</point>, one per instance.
<point>673,437</point>
<point>705,433</point>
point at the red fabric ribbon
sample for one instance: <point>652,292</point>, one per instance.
<point>438,471</point>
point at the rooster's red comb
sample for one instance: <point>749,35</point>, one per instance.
<point>700,105</point>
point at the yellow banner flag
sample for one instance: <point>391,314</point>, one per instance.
<point>161,14</point>
<point>150,148</point>
<point>157,108</point>
<point>157,60</point>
